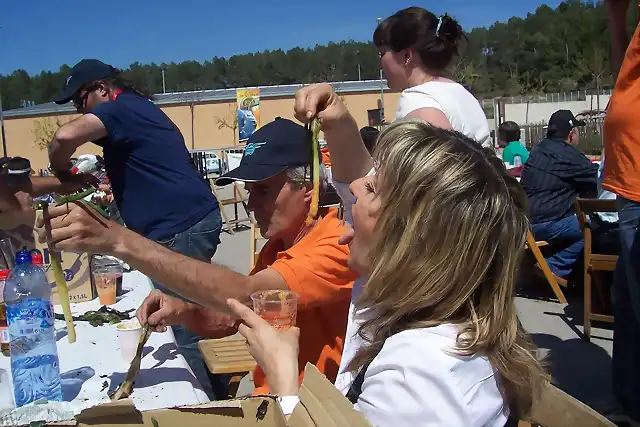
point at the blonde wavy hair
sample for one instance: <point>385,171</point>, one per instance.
<point>448,241</point>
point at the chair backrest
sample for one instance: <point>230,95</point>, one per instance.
<point>584,207</point>
<point>558,409</point>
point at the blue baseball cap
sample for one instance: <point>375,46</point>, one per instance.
<point>270,150</point>
<point>83,73</point>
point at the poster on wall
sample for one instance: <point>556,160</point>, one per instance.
<point>248,101</point>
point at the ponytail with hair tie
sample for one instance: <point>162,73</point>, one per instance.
<point>435,38</point>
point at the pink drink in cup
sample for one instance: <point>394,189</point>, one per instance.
<point>279,308</point>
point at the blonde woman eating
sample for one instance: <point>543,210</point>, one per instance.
<point>441,344</point>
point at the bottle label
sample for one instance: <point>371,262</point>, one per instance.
<point>4,335</point>
<point>31,316</point>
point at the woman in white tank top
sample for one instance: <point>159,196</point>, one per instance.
<point>416,48</point>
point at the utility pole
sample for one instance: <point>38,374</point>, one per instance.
<point>382,118</point>
<point>2,134</point>
<point>164,87</point>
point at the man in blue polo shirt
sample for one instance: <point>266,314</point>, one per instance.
<point>156,187</point>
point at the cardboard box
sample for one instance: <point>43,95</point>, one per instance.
<point>321,405</point>
<point>76,265</point>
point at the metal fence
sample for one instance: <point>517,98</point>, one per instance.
<point>578,95</point>
<point>591,141</point>
<point>216,161</point>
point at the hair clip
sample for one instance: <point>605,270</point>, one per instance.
<point>438,27</point>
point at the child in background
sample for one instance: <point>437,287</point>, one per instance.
<point>509,140</point>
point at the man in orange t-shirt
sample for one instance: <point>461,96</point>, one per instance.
<point>622,177</point>
<point>299,257</point>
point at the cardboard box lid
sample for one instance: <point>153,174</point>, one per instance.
<point>321,405</point>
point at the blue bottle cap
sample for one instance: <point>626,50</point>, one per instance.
<point>23,257</point>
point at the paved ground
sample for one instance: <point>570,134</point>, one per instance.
<point>583,369</point>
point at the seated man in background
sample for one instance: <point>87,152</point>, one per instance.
<point>509,141</point>
<point>555,174</point>
<point>306,259</point>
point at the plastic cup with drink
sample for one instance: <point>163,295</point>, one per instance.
<point>517,161</point>
<point>278,307</point>
<point>129,333</point>
<point>106,279</point>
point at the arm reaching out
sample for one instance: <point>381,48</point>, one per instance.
<point>74,226</point>
<point>350,159</point>
<point>160,311</point>
<point>71,136</point>
<point>617,10</point>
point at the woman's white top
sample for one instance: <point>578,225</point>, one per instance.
<point>417,380</point>
<point>461,108</point>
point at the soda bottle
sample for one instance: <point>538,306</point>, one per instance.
<point>34,355</point>
<point>4,328</point>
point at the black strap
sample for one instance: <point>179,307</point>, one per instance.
<point>356,386</point>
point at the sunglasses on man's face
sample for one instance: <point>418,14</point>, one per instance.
<point>80,97</point>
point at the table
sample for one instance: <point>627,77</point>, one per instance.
<point>93,366</point>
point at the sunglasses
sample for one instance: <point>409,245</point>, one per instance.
<point>79,99</point>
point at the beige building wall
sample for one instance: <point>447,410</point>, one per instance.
<point>208,128</point>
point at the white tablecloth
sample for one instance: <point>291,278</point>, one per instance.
<point>93,365</point>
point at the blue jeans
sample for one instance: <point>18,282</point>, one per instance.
<point>626,310</point>
<point>199,242</point>
<point>565,237</point>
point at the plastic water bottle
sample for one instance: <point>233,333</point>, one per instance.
<point>517,161</point>
<point>34,356</point>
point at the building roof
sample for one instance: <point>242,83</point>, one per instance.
<point>202,96</point>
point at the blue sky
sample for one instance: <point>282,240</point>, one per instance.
<point>41,35</point>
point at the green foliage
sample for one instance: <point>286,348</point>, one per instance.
<point>548,51</point>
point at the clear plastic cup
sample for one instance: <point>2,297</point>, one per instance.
<point>279,308</point>
<point>106,280</point>
<point>129,333</point>
<point>100,261</point>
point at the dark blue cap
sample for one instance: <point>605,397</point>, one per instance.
<point>23,257</point>
<point>83,73</point>
<point>561,123</point>
<point>272,149</point>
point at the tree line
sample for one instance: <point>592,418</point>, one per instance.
<point>550,50</point>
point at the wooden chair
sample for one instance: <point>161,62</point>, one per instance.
<point>558,409</point>
<point>594,262</point>
<point>228,356</point>
<point>552,279</point>
<point>238,198</point>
